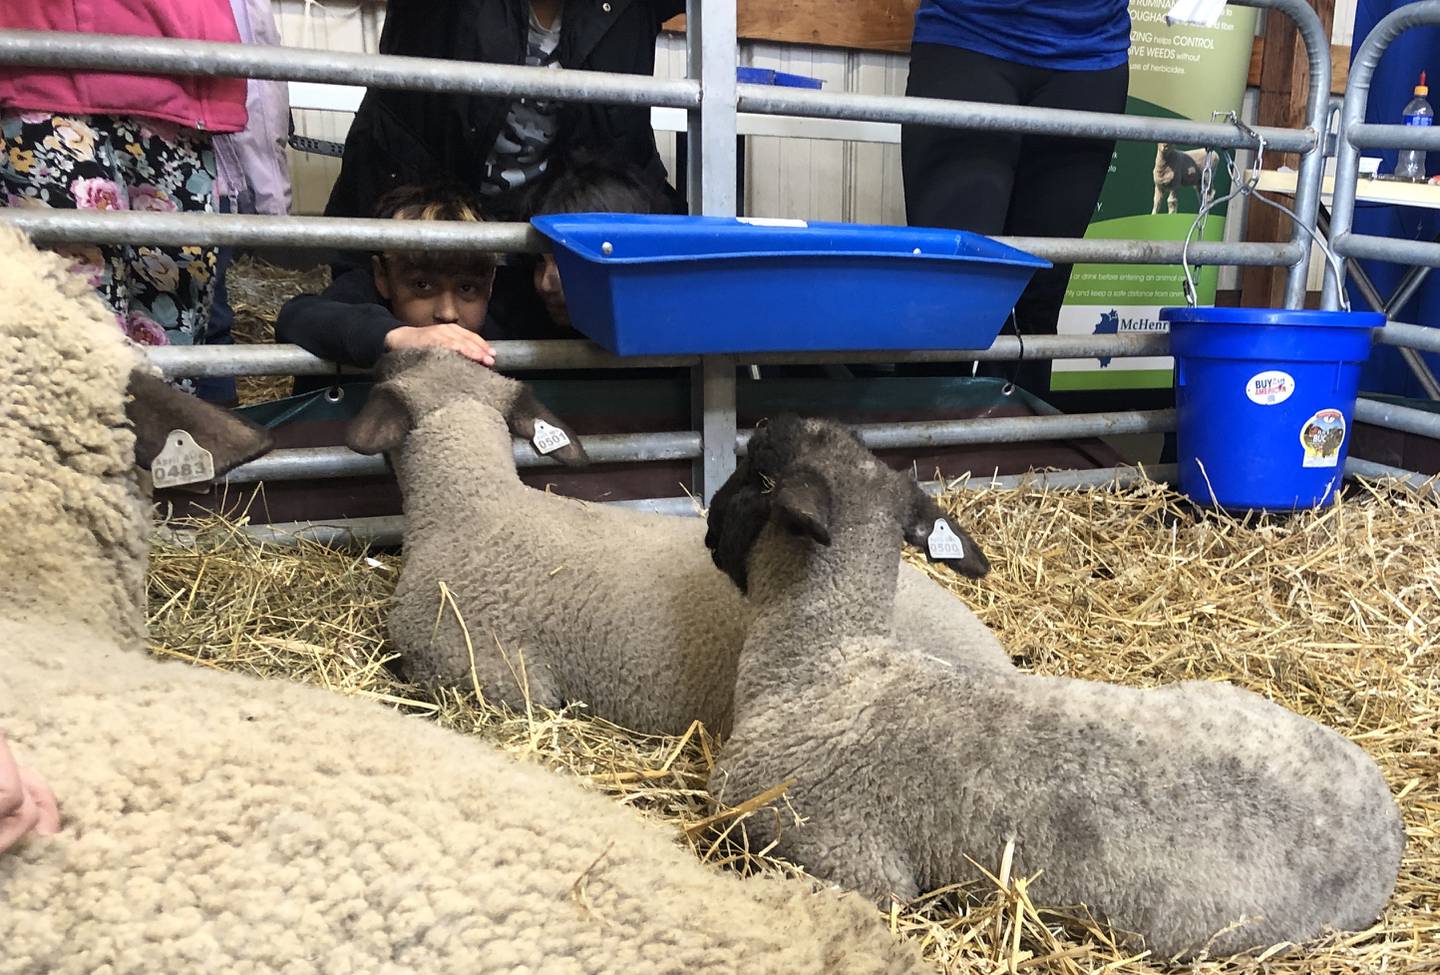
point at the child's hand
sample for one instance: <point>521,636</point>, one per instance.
<point>26,803</point>
<point>452,337</point>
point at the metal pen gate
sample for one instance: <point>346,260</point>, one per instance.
<point>712,98</point>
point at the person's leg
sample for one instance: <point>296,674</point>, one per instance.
<point>956,178</point>
<point>63,162</point>
<point>1057,184</point>
<point>221,389</point>
<point>170,287</point>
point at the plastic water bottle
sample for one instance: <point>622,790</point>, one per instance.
<point>1410,163</point>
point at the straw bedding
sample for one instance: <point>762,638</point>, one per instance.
<point>1333,614</point>
<point>257,290</point>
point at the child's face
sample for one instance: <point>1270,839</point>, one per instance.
<point>547,286</point>
<point>421,297</point>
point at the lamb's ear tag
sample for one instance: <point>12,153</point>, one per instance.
<point>181,461</point>
<point>549,438</point>
<point>944,543</point>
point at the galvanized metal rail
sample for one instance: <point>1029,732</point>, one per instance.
<point>712,99</point>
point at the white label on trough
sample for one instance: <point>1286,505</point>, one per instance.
<point>772,221</point>
<point>549,439</point>
<point>1270,387</point>
<point>944,543</point>
<point>181,461</point>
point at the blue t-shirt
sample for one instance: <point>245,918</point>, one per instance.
<point>1068,35</point>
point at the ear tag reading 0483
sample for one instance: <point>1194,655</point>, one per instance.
<point>944,543</point>
<point>549,439</point>
<point>181,461</point>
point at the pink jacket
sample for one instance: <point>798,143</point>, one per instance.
<point>208,104</point>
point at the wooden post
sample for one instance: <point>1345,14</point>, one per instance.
<point>1284,71</point>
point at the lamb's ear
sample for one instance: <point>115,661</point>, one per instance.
<point>802,502</point>
<point>155,408</point>
<point>935,533</point>
<point>526,411</point>
<point>383,422</point>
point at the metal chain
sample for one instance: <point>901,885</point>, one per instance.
<point>1240,186</point>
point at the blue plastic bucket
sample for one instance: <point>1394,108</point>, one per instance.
<point>1266,402</point>
<point>676,285</point>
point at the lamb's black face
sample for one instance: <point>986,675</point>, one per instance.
<point>738,512</point>
<point>797,471</point>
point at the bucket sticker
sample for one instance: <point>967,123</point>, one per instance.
<point>1321,436</point>
<point>1270,387</point>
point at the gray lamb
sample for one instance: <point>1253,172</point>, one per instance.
<point>1197,816</point>
<point>566,600</point>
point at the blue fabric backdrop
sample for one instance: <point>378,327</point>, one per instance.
<point>1414,51</point>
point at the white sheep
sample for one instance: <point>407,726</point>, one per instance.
<point>1196,816</point>
<point>80,408</point>
<point>213,823</point>
<point>544,598</point>
<point>1175,168</point>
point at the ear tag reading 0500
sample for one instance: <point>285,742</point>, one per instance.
<point>549,439</point>
<point>944,543</point>
<point>181,461</point>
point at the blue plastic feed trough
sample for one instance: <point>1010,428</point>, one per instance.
<point>1266,402</point>
<point>769,76</point>
<point>674,285</point>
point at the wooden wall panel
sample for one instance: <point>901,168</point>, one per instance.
<point>1339,65</point>
<point>869,25</point>
<point>1283,75</point>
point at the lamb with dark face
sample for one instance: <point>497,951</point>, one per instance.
<point>816,456</point>
<point>1191,816</point>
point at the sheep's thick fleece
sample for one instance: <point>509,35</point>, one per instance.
<point>67,469</point>
<point>213,823</point>
<point>1173,813</point>
<point>622,610</point>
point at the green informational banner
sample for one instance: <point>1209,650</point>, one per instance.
<point>1153,191</point>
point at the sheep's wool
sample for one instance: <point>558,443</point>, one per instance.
<point>217,825</point>
<point>212,823</point>
<point>70,514</point>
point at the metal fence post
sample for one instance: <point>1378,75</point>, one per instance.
<point>710,59</point>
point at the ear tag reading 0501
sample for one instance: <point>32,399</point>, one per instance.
<point>181,461</point>
<point>944,543</point>
<point>549,439</point>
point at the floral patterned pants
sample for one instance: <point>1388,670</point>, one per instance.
<point>161,295</point>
